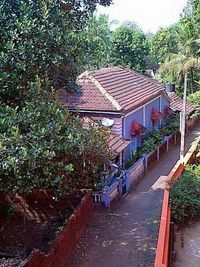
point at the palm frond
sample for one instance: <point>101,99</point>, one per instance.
<point>191,63</point>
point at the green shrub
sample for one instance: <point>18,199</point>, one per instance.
<point>194,98</point>
<point>156,136</point>
<point>172,125</point>
<point>195,113</point>
<point>43,146</point>
<point>131,160</point>
<point>147,146</point>
<point>185,196</point>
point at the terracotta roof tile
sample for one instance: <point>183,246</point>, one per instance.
<point>91,98</point>
<point>115,142</point>
<point>113,89</point>
<point>176,103</point>
<point>129,88</point>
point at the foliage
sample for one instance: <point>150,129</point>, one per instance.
<point>185,60</point>
<point>43,146</point>
<point>185,196</point>
<point>95,42</point>
<point>104,181</point>
<point>163,43</point>
<point>148,145</point>
<point>196,113</point>
<point>41,38</point>
<point>194,98</point>
<point>156,136</point>
<point>132,159</point>
<point>150,141</point>
<point>6,212</point>
<point>127,45</point>
<point>191,17</point>
<point>129,48</point>
<point>171,125</point>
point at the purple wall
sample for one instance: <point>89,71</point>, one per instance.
<point>148,110</point>
<point>138,116</point>
<point>159,104</point>
<point>164,102</point>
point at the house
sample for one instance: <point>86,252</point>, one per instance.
<point>116,143</point>
<point>176,104</point>
<point>134,102</point>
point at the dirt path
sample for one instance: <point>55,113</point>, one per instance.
<point>126,236</point>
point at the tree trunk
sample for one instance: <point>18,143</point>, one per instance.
<point>183,115</point>
<point>192,81</point>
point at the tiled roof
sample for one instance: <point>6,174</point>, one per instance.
<point>113,89</point>
<point>116,143</point>
<point>91,98</point>
<point>176,103</point>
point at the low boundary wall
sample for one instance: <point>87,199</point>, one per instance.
<point>163,244</point>
<point>67,239</point>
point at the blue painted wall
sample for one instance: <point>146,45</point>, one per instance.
<point>164,102</point>
<point>138,116</point>
<point>148,111</point>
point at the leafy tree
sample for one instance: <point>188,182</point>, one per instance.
<point>40,38</point>
<point>185,61</point>
<point>129,48</point>
<point>194,98</point>
<point>130,24</point>
<point>191,17</point>
<point>95,42</point>
<point>43,146</point>
<point>163,43</point>
<point>191,20</point>
<point>180,64</point>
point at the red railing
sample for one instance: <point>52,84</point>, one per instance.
<point>162,252</point>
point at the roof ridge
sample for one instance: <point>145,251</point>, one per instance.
<point>103,91</point>
<point>85,73</point>
<point>142,75</point>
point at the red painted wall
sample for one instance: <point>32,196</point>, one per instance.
<point>63,247</point>
<point>162,252</point>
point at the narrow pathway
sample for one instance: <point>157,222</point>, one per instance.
<point>127,236</point>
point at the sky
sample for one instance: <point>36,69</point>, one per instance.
<point>149,15</point>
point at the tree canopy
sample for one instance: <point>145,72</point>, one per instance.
<point>129,48</point>
<point>95,42</point>
<point>41,38</point>
<point>162,43</point>
<point>41,144</point>
<point>127,45</point>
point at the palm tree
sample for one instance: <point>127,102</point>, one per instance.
<point>180,64</point>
